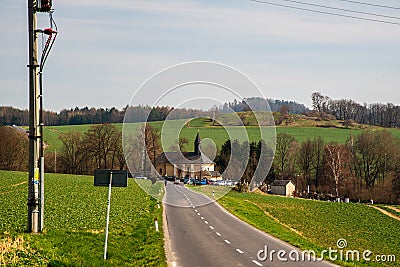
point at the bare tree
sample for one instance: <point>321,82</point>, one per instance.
<point>152,141</point>
<point>72,155</point>
<point>318,150</point>
<point>372,152</point>
<point>283,143</point>
<point>13,149</point>
<point>179,145</point>
<point>335,158</point>
<point>101,143</point>
<point>306,158</point>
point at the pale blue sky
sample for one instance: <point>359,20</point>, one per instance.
<point>107,49</point>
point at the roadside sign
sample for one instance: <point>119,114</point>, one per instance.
<point>119,178</point>
<point>110,178</point>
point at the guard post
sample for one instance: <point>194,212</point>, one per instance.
<point>110,178</point>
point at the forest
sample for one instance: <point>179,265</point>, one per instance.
<point>141,113</point>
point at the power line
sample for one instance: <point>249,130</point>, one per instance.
<point>325,12</point>
<point>341,9</point>
<point>370,4</point>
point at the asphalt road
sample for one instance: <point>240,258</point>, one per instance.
<point>207,235</point>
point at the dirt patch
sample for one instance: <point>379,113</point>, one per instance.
<point>386,212</point>
<point>393,208</point>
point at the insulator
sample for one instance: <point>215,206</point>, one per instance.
<point>43,5</point>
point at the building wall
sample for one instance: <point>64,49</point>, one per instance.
<point>194,169</point>
<point>278,190</point>
<point>283,190</point>
<point>290,188</point>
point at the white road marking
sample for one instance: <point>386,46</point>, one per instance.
<point>227,241</point>
<point>198,214</point>
<point>211,227</point>
<point>257,263</point>
<point>218,234</point>
<point>205,222</point>
<point>238,250</point>
<point>202,217</point>
<point>195,210</point>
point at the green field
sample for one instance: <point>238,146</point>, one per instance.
<point>218,134</point>
<point>317,225</point>
<point>75,213</point>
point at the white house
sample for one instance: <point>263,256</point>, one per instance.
<point>283,188</point>
<point>192,164</point>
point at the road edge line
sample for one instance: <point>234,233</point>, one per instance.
<point>171,260</point>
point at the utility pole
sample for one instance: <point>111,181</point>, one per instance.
<point>34,136</point>
<point>36,155</point>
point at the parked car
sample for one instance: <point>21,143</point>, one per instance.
<point>220,182</point>
<point>228,183</point>
<point>188,181</point>
<point>176,181</point>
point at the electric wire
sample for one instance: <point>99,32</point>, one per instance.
<point>45,53</point>
<point>341,9</point>
<point>325,12</point>
<point>370,4</point>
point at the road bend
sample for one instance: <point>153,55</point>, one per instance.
<point>207,235</point>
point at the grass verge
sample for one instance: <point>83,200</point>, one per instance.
<point>317,225</point>
<point>75,214</point>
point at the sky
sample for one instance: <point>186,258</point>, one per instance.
<point>106,50</point>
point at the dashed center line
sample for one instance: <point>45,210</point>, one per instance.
<point>211,227</point>
<point>218,234</point>
<point>240,251</point>
<point>227,241</point>
<point>202,217</point>
<point>198,214</point>
<point>195,210</point>
<point>205,222</point>
<point>257,263</point>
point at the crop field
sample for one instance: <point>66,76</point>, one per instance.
<point>317,225</point>
<point>75,213</point>
<point>218,134</point>
<point>395,210</point>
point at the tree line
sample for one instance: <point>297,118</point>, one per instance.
<point>141,113</point>
<point>259,104</point>
<point>366,167</point>
<point>384,115</point>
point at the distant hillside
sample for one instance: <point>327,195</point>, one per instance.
<point>141,113</point>
<point>259,104</point>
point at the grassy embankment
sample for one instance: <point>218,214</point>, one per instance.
<point>316,225</point>
<point>300,129</point>
<point>75,214</point>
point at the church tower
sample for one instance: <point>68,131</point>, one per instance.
<point>197,142</point>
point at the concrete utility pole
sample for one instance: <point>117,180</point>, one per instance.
<point>34,201</point>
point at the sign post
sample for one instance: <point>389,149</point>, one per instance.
<point>108,216</point>
<point>110,178</point>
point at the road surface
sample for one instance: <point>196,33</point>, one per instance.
<point>207,235</point>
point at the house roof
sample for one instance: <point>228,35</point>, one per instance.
<point>281,182</point>
<point>183,158</point>
<point>215,174</point>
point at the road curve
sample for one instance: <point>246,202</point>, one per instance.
<point>207,235</point>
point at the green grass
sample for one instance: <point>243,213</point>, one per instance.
<point>75,214</point>
<point>327,134</point>
<point>213,192</point>
<point>388,209</point>
<point>218,134</point>
<point>317,225</point>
